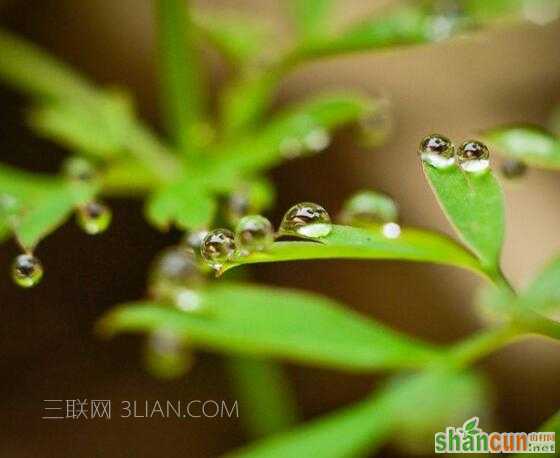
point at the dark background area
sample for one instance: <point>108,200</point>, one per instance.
<point>49,350</point>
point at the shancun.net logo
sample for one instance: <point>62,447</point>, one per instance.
<point>471,439</point>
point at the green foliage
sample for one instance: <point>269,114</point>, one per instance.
<point>474,205</point>
<point>278,323</point>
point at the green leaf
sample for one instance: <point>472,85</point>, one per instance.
<point>239,38</point>
<point>46,213</point>
<point>551,425</point>
<point>267,147</point>
<point>346,242</point>
<point>529,144</point>
<point>474,205</point>
<point>179,72</point>
<point>279,323</point>
<point>426,402</point>
<point>311,17</point>
<point>543,294</point>
<point>184,203</point>
<point>32,70</point>
<point>98,129</point>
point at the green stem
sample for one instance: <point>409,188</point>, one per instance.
<point>265,400</point>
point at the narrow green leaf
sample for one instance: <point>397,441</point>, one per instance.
<point>264,394</point>
<point>413,407</point>
<point>279,323</point>
<point>287,134</point>
<point>474,205</point>
<point>179,71</point>
<point>185,204</point>
<point>32,70</point>
<point>50,210</point>
<point>311,17</point>
<point>239,38</point>
<point>531,145</point>
<point>543,293</point>
<point>346,242</point>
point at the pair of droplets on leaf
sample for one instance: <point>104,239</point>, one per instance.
<point>438,151</point>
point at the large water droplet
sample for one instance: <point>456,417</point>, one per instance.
<point>306,219</point>
<point>94,217</point>
<point>27,270</point>
<point>79,169</point>
<point>366,207</point>
<point>166,354</point>
<point>438,151</point>
<point>254,233</point>
<point>218,248</point>
<point>473,156</point>
<point>512,169</point>
<point>317,139</point>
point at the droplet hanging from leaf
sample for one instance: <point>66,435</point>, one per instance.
<point>254,233</point>
<point>306,219</point>
<point>218,248</point>
<point>27,270</point>
<point>94,217</point>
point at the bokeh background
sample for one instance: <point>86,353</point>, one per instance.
<point>48,350</point>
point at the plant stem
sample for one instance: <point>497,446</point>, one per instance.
<point>179,74</point>
<point>267,403</point>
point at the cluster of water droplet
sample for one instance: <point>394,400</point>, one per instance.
<point>440,152</point>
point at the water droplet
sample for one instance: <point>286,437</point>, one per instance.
<point>79,169</point>
<point>27,270</point>
<point>317,140</point>
<point>306,219</point>
<point>194,239</point>
<point>438,151</point>
<point>291,147</point>
<point>473,156</point>
<point>254,233</point>
<point>391,230</point>
<point>176,266</point>
<point>94,217</point>
<point>166,354</point>
<point>218,248</point>
<point>366,207</point>
<point>512,169</point>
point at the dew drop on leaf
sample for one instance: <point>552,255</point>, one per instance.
<point>27,270</point>
<point>512,169</point>
<point>438,151</point>
<point>473,157</point>
<point>218,248</point>
<point>254,233</point>
<point>366,207</point>
<point>94,217</point>
<point>306,219</point>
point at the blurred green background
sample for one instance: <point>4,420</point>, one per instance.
<point>457,88</point>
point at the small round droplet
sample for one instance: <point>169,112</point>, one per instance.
<point>367,207</point>
<point>317,140</point>
<point>175,266</point>
<point>94,217</point>
<point>254,233</point>
<point>79,169</point>
<point>473,156</point>
<point>438,151</point>
<point>512,169</point>
<point>306,219</point>
<point>218,248</point>
<point>27,270</point>
<point>391,230</point>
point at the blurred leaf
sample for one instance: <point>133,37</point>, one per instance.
<point>543,294</point>
<point>246,100</point>
<point>264,395</point>
<point>474,205</point>
<point>184,203</point>
<point>311,16</point>
<point>46,213</point>
<point>428,401</point>
<point>239,38</point>
<point>346,242</point>
<point>34,71</point>
<point>129,177</point>
<point>279,323</point>
<point>531,145</point>
<point>551,425</point>
<point>266,148</point>
<point>179,71</point>
<point>98,129</point>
